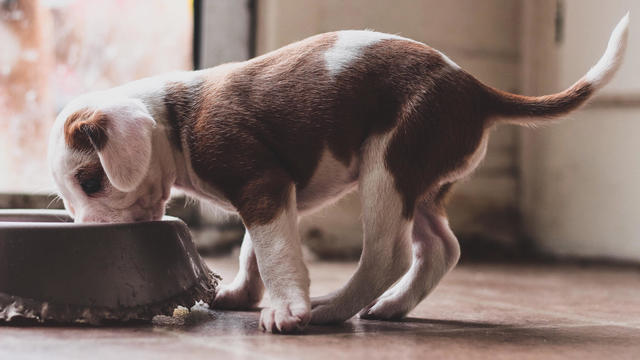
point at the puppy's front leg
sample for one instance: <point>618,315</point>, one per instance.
<point>246,289</point>
<point>279,256</point>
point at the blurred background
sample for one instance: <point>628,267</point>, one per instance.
<point>566,191</point>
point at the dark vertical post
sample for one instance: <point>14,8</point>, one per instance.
<point>252,27</point>
<point>197,33</point>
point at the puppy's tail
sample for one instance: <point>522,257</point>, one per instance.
<point>516,108</point>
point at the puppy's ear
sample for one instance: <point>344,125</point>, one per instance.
<point>121,135</point>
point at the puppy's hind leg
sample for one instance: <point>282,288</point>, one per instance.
<point>246,289</point>
<point>435,252</point>
<point>386,251</point>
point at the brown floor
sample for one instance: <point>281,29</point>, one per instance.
<point>479,311</point>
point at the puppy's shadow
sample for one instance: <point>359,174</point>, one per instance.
<point>243,323</point>
<point>438,330</point>
<point>359,326</point>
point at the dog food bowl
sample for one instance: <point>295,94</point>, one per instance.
<point>52,269</point>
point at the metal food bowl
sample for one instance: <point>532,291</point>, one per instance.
<point>52,269</point>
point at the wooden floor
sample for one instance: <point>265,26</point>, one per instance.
<point>479,311</point>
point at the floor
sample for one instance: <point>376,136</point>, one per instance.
<point>480,311</point>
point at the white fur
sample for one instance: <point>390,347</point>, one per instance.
<point>349,47</point>
<point>449,61</point>
<point>127,154</point>
<point>146,180</point>
<point>135,191</point>
<point>600,74</point>
<point>330,181</point>
<point>279,255</point>
<point>435,252</point>
<point>146,202</point>
<point>246,289</point>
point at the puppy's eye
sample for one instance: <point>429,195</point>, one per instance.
<point>91,186</point>
<point>90,178</point>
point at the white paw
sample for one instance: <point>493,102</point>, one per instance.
<point>285,318</point>
<point>388,307</point>
<point>329,311</point>
<point>237,298</point>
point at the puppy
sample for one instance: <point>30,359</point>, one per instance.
<point>281,135</point>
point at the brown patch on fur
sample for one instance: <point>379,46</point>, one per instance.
<point>507,104</point>
<point>85,130</point>
<point>437,135</point>
<point>273,118</point>
<point>444,122</point>
<point>181,102</point>
<point>263,199</point>
<point>262,126</point>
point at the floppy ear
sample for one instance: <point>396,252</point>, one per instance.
<point>120,134</point>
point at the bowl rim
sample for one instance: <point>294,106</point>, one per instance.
<point>70,224</point>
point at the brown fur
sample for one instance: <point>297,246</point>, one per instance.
<point>506,104</point>
<point>262,127</point>
<point>181,102</point>
<point>85,131</point>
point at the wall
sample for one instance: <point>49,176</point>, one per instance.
<point>481,36</point>
<point>579,177</point>
<point>225,32</point>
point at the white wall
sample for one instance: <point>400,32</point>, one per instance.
<point>579,178</point>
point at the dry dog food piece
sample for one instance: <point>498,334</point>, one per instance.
<point>54,270</point>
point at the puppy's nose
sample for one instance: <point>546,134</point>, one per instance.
<point>89,219</point>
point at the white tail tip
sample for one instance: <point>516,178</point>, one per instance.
<point>603,71</point>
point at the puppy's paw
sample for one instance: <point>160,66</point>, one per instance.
<point>237,298</point>
<point>285,318</point>
<point>385,308</point>
<point>330,313</point>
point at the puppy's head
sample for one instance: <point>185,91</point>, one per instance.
<point>100,156</point>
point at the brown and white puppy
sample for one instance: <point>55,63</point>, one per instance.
<point>282,135</point>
